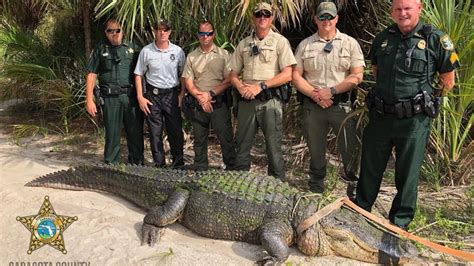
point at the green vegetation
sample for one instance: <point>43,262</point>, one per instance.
<point>43,45</point>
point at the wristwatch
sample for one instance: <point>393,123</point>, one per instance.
<point>263,85</point>
<point>333,91</point>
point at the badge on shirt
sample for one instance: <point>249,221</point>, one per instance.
<point>269,42</point>
<point>105,54</point>
<point>172,57</point>
<point>130,51</point>
<point>447,43</point>
<point>421,44</point>
<point>384,44</point>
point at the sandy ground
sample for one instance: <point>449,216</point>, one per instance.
<point>107,231</point>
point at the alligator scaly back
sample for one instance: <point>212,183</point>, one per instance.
<point>135,183</point>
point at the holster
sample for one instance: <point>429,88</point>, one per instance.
<point>98,96</point>
<point>189,107</point>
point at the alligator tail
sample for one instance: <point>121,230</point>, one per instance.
<point>124,181</point>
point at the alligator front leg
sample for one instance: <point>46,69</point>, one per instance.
<point>275,236</point>
<point>160,216</point>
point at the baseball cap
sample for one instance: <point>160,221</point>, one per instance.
<point>262,6</point>
<point>326,8</point>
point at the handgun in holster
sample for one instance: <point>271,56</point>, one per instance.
<point>98,96</point>
<point>429,105</point>
<point>189,106</point>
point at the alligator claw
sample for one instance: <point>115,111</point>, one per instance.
<point>267,261</point>
<point>150,234</point>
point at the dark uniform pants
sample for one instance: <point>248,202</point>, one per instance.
<point>316,124</point>
<point>268,116</point>
<point>220,120</point>
<point>118,111</point>
<point>409,137</point>
<point>165,112</point>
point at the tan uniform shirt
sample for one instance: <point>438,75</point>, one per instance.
<point>207,69</point>
<point>275,54</point>
<point>322,69</point>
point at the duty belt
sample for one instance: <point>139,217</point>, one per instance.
<point>402,109</point>
<point>113,91</point>
<point>157,91</point>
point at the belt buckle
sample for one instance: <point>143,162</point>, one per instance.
<point>155,91</point>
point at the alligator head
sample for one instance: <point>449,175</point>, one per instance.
<point>348,234</point>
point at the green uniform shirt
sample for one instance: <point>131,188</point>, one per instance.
<point>113,64</point>
<point>402,61</point>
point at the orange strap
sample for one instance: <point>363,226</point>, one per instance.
<point>447,250</point>
<point>313,219</point>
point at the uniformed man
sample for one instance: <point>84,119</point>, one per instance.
<point>113,62</point>
<point>206,78</point>
<point>405,58</point>
<point>264,61</point>
<point>161,63</point>
<point>330,64</point>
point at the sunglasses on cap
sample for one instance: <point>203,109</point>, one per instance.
<point>112,31</point>
<point>205,33</point>
<point>265,14</point>
<point>326,17</point>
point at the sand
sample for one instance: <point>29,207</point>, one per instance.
<point>107,230</point>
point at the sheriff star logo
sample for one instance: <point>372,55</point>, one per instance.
<point>46,227</point>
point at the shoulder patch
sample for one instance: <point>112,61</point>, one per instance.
<point>453,58</point>
<point>447,43</point>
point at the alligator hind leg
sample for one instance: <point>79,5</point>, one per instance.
<point>275,236</point>
<point>160,216</point>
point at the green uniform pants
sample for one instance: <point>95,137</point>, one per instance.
<point>221,123</point>
<point>409,137</point>
<point>268,116</point>
<point>316,124</point>
<point>119,111</point>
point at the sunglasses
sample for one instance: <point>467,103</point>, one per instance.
<point>263,14</point>
<point>205,33</point>
<point>112,31</point>
<point>326,17</point>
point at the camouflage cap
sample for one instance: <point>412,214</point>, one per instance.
<point>262,6</point>
<point>326,8</point>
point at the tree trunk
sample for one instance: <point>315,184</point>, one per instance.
<point>87,27</point>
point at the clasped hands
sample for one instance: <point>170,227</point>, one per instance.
<point>249,91</point>
<point>205,101</point>
<point>322,96</point>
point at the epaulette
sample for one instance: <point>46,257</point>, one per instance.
<point>427,29</point>
<point>392,29</point>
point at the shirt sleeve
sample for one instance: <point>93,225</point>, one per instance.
<point>188,70</point>
<point>299,55</point>
<point>357,56</point>
<point>181,62</point>
<point>140,69</point>
<point>236,60</point>
<point>286,57</point>
<point>373,50</point>
<point>94,61</point>
<point>446,57</point>
<point>226,70</point>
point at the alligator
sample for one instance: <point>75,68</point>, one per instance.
<point>239,206</point>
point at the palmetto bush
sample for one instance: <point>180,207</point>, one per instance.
<point>39,74</point>
<point>451,149</point>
